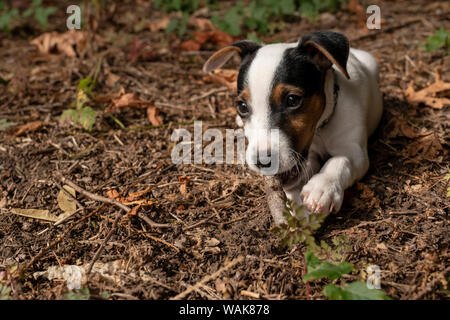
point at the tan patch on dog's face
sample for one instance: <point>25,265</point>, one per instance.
<point>282,90</point>
<point>300,124</point>
<point>244,95</point>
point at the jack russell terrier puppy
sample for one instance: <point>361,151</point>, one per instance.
<point>324,101</point>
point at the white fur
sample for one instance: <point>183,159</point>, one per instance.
<point>344,138</point>
<point>257,129</point>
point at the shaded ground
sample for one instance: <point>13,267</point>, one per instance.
<point>396,217</point>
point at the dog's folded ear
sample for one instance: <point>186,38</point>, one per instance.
<point>218,59</point>
<point>327,48</point>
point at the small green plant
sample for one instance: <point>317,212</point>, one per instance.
<point>261,16</point>
<point>186,7</point>
<point>36,10</point>
<point>39,13</point>
<point>6,16</point>
<point>440,39</point>
<point>83,114</point>
<point>5,292</point>
<point>323,261</point>
<point>81,294</point>
<point>5,124</point>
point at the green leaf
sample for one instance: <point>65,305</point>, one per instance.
<point>312,262</point>
<point>70,115</point>
<point>287,6</point>
<point>5,292</point>
<point>87,118</point>
<point>5,124</point>
<point>328,270</point>
<point>173,24</point>
<point>28,12</point>
<point>354,291</point>
<point>438,40</point>
<point>84,84</point>
<point>82,294</point>
<point>36,3</point>
<point>5,19</point>
<point>41,15</point>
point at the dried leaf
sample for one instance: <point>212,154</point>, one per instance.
<point>111,79</point>
<point>159,24</point>
<point>126,100</point>
<point>428,147</point>
<point>153,116</point>
<point>28,127</point>
<point>226,77</point>
<point>190,45</point>
<point>112,194</point>
<point>69,43</point>
<point>65,203</point>
<point>203,24</point>
<point>183,188</point>
<point>400,128</point>
<point>427,95</point>
<point>136,195</point>
<point>220,38</point>
<point>35,214</point>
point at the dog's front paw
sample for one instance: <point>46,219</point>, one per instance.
<point>322,195</point>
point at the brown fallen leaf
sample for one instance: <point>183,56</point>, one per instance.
<point>28,127</point>
<point>185,181</point>
<point>400,128</point>
<point>226,77</point>
<point>112,194</point>
<point>125,100</point>
<point>159,24</point>
<point>153,116</point>
<point>136,195</point>
<point>35,214</point>
<point>70,43</point>
<point>427,95</point>
<point>203,24</point>
<point>190,45</point>
<point>355,7</point>
<point>111,79</point>
<point>220,38</point>
<point>65,203</point>
<point>216,37</point>
<point>428,147</point>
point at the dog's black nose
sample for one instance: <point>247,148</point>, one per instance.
<point>264,161</point>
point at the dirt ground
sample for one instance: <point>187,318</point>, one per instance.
<point>396,217</point>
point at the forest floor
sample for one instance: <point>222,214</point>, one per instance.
<point>396,217</point>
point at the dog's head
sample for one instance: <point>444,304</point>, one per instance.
<point>281,97</point>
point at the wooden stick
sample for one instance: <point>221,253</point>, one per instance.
<point>125,208</point>
<point>208,278</point>
<point>108,236</point>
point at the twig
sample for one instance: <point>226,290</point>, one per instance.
<point>108,236</point>
<point>162,241</point>
<point>127,209</point>
<point>430,286</point>
<point>94,196</point>
<point>208,93</point>
<point>206,279</point>
<point>51,245</point>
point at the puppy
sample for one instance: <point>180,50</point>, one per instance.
<point>322,100</point>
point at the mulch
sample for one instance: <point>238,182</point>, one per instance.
<point>396,217</point>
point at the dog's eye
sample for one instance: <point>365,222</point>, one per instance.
<point>242,108</point>
<point>293,101</point>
